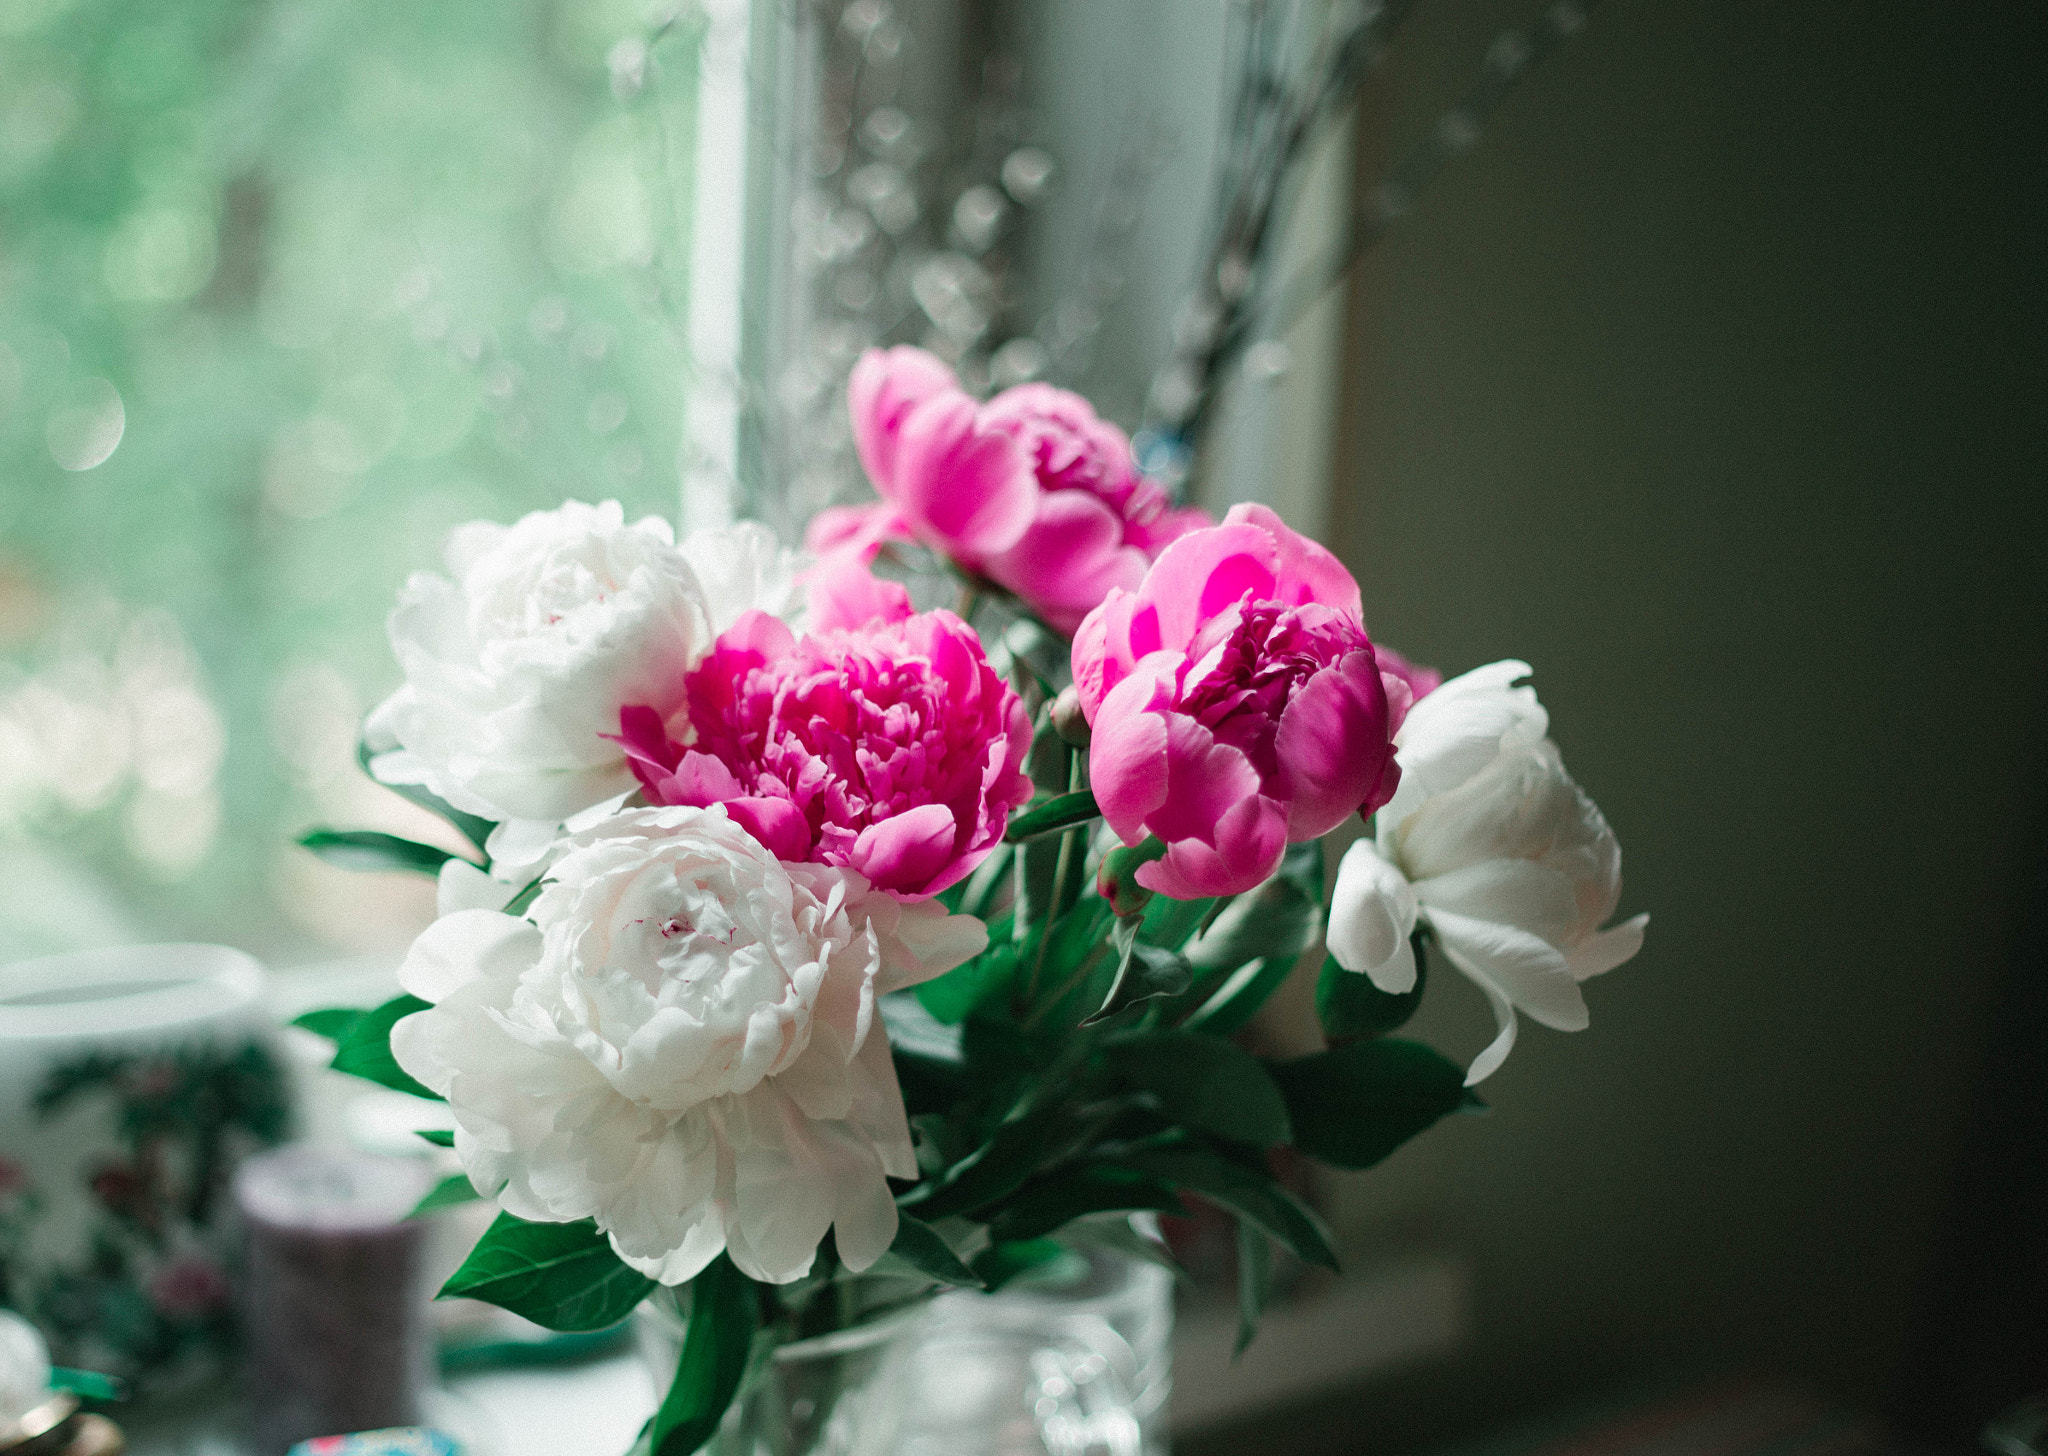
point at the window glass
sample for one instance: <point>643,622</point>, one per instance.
<point>287,288</point>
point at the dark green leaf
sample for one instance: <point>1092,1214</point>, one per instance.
<point>562,1276</point>
<point>475,830</point>
<point>986,978</point>
<point>1244,1192</point>
<point>1171,923</point>
<point>448,1193</point>
<point>1353,1105</point>
<point>440,1137</point>
<point>996,1168</point>
<point>1142,972</point>
<point>717,1339</point>
<point>998,1264</point>
<point>366,849</point>
<point>528,893</point>
<point>1063,812</point>
<point>919,1245</point>
<point>1048,1204</point>
<point>1050,765</point>
<point>1254,1282</point>
<point>366,1050</point>
<point>1208,1084</point>
<point>1350,1006</point>
<point>333,1022</point>
<point>1277,919</point>
<point>1232,1005</point>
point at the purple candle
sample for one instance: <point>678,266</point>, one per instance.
<point>335,1308</point>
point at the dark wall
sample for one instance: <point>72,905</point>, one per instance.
<point>1712,385</point>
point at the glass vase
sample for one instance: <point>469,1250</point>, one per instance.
<point>1074,1359</point>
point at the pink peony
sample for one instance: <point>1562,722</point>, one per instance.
<point>1030,490</point>
<point>1236,703</point>
<point>892,749</point>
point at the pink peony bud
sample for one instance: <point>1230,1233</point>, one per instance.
<point>892,749</point>
<point>1236,703</point>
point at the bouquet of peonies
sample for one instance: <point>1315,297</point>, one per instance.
<point>812,936</point>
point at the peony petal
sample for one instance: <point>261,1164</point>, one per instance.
<point>966,490</point>
<point>1069,558</point>
<point>1110,642</point>
<point>904,852</point>
<point>1456,731</point>
<point>467,946</point>
<point>1606,949</point>
<point>1250,840</point>
<point>1127,757</point>
<point>1307,570</point>
<point>777,823</point>
<point>1204,573</point>
<point>1206,783</point>
<point>859,530</point>
<point>1496,1052</point>
<point>1333,745</point>
<point>1524,968</point>
<point>1515,892</point>
<point>462,886</point>
<point>843,594</point>
<point>885,386</point>
<point>1372,914</point>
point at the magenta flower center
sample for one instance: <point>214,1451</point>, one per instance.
<point>846,734</point>
<point>1248,662</point>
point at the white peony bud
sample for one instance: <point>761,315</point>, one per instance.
<point>1490,843</point>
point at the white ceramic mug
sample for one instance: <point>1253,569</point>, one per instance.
<point>132,1080</point>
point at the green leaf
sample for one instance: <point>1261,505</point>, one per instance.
<point>450,1192</point>
<point>1241,1191</point>
<point>1208,1084</point>
<point>1254,1282</point>
<point>1278,919</point>
<point>472,828</point>
<point>1353,1105</point>
<point>1170,923</point>
<point>1048,1204</point>
<point>1350,1006</point>
<point>988,977</point>
<point>528,893</point>
<point>998,1264</point>
<point>1050,765</point>
<point>366,1050</point>
<point>717,1338</point>
<point>996,1168</point>
<point>562,1276</point>
<point>922,1247</point>
<point>1064,812</point>
<point>1142,972</point>
<point>440,1137</point>
<point>333,1023</point>
<point>1233,1004</point>
<point>366,849</point>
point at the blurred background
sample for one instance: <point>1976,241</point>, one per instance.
<point>1710,382</point>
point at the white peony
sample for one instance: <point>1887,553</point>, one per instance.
<point>516,669</point>
<point>1490,843</point>
<point>745,567</point>
<point>682,1044</point>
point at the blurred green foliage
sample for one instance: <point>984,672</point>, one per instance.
<point>287,289</point>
